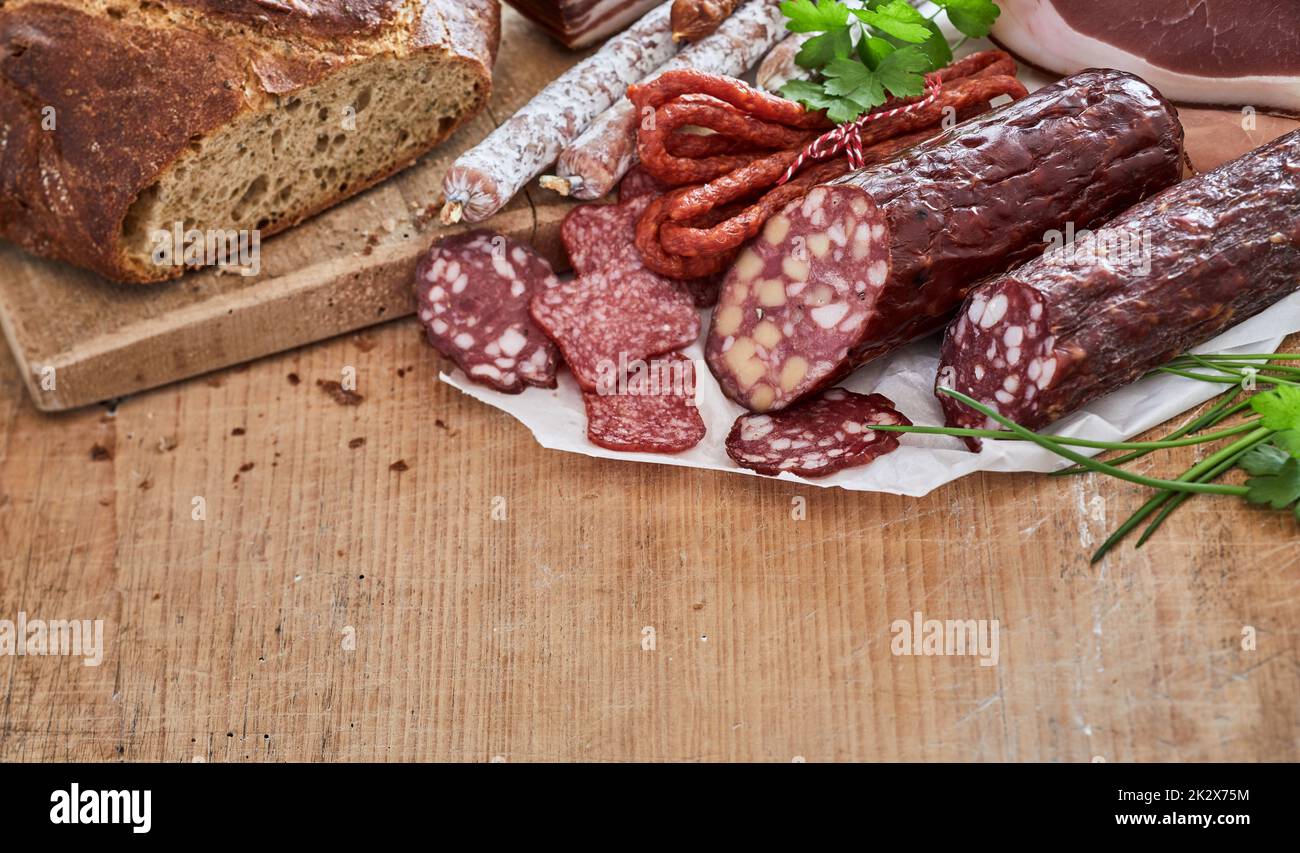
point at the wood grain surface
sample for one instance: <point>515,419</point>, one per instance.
<point>492,600</point>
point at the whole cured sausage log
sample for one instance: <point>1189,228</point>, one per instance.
<point>485,178</point>
<point>779,67</point>
<point>830,284</point>
<point>594,163</point>
<point>1162,277</point>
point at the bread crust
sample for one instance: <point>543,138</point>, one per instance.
<point>95,107</point>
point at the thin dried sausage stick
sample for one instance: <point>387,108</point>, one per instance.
<point>485,178</point>
<point>673,84</point>
<point>724,119</point>
<point>592,165</point>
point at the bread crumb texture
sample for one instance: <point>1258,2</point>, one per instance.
<point>119,120</point>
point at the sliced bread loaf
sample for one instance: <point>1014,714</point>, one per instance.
<point>124,119</point>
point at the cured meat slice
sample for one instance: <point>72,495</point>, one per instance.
<point>651,410</point>
<point>473,291</point>
<point>1162,277</point>
<point>591,166</point>
<point>599,237</point>
<point>1192,51</point>
<point>580,23</point>
<point>485,178</point>
<point>696,19</point>
<point>603,319</point>
<point>790,309</point>
<point>974,201</point>
<point>818,437</point>
<point>638,182</point>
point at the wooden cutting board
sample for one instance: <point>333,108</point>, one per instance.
<point>346,269</point>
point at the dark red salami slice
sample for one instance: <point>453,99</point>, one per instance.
<point>789,310</point>
<point>818,437</point>
<point>473,291</point>
<point>598,237</point>
<point>638,182</point>
<point>970,203</point>
<point>651,410</point>
<point>1164,276</point>
<point>603,319</point>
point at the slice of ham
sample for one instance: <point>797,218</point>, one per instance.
<point>1219,52</point>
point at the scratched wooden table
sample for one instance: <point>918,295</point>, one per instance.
<point>355,593</point>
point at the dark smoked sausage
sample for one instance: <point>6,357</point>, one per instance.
<point>1162,277</point>
<point>973,202</point>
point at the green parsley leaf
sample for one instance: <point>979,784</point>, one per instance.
<point>1278,491</point>
<point>1264,460</point>
<point>810,94</point>
<point>1289,441</point>
<point>898,19</point>
<point>872,50</point>
<point>817,51</point>
<point>826,16</point>
<point>936,47</point>
<point>972,18</point>
<point>1280,407</point>
<point>900,72</point>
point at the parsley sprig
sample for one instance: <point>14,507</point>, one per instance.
<point>866,51</point>
<point>1265,445</point>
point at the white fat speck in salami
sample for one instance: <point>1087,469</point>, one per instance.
<point>602,319</point>
<point>816,437</point>
<point>484,325</point>
<point>790,307</point>
<point>649,408</point>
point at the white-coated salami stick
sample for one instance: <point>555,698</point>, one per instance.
<point>779,67</point>
<point>593,165</point>
<point>485,178</point>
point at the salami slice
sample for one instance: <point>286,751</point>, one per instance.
<point>598,237</point>
<point>638,182</point>
<point>788,310</point>
<point>473,291</point>
<point>591,166</point>
<point>485,178</point>
<point>603,319</point>
<point>973,202</point>
<point>818,437</point>
<point>651,409</point>
<point>1159,279</point>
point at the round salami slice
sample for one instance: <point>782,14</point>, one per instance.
<point>790,310</point>
<point>598,237</point>
<point>638,182</point>
<point>603,319</point>
<point>816,437</point>
<point>648,408</point>
<point>473,291</point>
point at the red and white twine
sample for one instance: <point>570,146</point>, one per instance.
<point>847,137</point>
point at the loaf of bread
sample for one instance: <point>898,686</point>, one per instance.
<point>121,119</point>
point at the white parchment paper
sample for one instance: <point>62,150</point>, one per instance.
<point>924,462</point>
